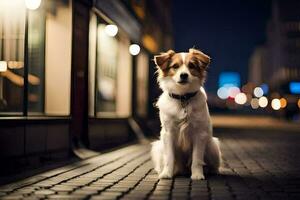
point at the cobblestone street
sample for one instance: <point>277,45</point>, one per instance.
<point>256,166</point>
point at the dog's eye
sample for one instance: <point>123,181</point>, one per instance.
<point>175,66</point>
<point>192,66</point>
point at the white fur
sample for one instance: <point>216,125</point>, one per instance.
<point>186,141</point>
<point>183,56</point>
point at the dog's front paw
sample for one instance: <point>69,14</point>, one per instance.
<point>197,176</point>
<point>197,173</point>
<point>165,174</point>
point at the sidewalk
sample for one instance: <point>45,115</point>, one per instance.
<point>256,166</point>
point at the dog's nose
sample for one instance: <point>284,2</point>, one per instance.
<point>184,76</point>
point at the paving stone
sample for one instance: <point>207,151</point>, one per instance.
<point>256,166</point>
<point>44,192</point>
<point>67,197</point>
<point>18,196</point>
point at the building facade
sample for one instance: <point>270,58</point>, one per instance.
<point>283,43</point>
<point>277,62</point>
<point>75,72</point>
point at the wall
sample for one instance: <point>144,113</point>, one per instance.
<point>58,61</point>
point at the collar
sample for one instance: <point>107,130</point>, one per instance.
<point>184,97</point>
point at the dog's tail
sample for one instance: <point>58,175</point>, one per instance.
<point>156,154</point>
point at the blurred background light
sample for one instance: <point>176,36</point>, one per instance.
<point>233,91</point>
<point>283,102</point>
<point>258,92</point>
<point>32,4</point>
<point>229,78</point>
<point>111,30</point>
<point>298,103</point>
<point>276,104</point>
<point>254,103</point>
<point>265,88</point>
<point>263,102</point>
<point>294,87</point>
<point>3,66</point>
<point>240,98</point>
<point>134,49</point>
<point>223,93</point>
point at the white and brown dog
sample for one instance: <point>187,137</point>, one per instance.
<point>186,142</point>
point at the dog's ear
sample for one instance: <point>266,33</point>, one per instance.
<point>162,60</point>
<point>203,58</point>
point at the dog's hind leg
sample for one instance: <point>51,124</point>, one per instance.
<point>213,156</point>
<point>157,155</point>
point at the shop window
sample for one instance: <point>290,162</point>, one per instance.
<point>49,28</point>
<point>12,38</point>
<point>110,71</point>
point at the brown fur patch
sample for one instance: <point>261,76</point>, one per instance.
<point>195,66</point>
<point>171,65</point>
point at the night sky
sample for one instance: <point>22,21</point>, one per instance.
<point>227,30</point>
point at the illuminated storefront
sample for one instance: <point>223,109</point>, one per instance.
<point>29,41</point>
<point>72,73</point>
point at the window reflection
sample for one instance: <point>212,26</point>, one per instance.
<point>110,70</point>
<point>49,57</point>
<point>107,57</point>
<point>12,37</point>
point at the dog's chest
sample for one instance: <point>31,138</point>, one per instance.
<point>176,111</point>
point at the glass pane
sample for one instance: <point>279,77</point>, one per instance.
<point>36,60</point>
<point>110,70</point>
<point>107,59</point>
<point>49,58</point>
<point>12,37</point>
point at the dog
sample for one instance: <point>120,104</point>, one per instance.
<point>186,143</point>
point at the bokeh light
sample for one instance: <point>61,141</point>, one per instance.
<point>283,102</point>
<point>32,4</point>
<point>265,88</point>
<point>263,102</point>
<point>111,30</point>
<point>254,103</point>
<point>233,91</point>
<point>134,49</point>
<point>276,104</point>
<point>258,92</point>
<point>298,103</point>
<point>222,93</point>
<point>240,98</point>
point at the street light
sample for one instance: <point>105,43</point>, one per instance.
<point>32,4</point>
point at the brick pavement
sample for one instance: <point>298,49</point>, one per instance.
<point>256,166</point>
